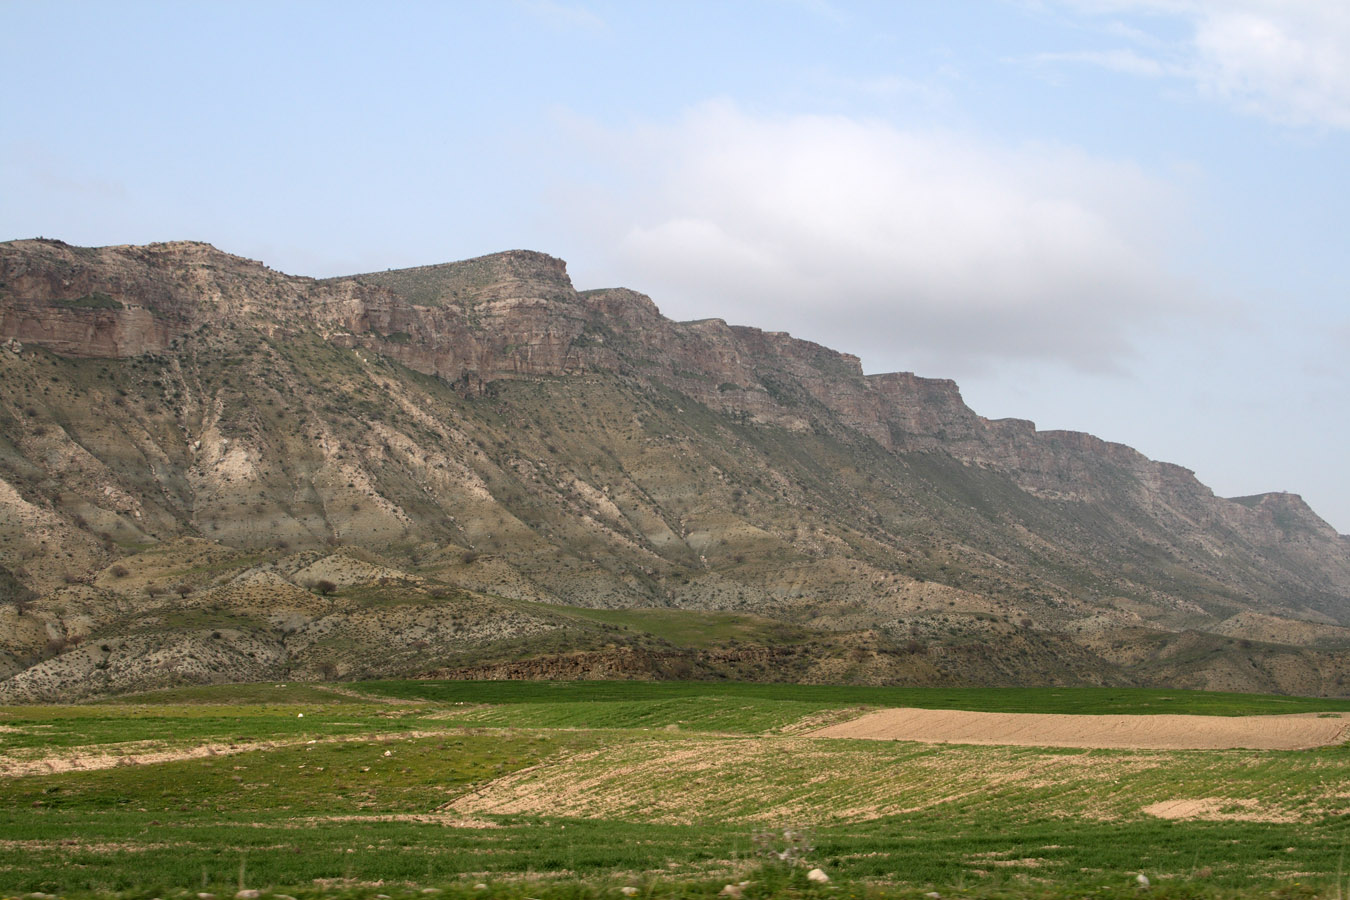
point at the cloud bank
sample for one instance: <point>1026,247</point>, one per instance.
<point>1284,60</point>
<point>914,249</point>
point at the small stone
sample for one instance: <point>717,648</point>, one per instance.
<point>248,895</point>
<point>480,886</point>
<point>818,876</point>
<point>732,891</point>
<point>933,895</point>
<point>389,753</point>
<point>1143,880</point>
<point>628,891</point>
<point>206,897</point>
<point>299,715</point>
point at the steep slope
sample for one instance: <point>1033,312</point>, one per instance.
<point>492,433</point>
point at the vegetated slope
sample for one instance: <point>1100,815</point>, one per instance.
<point>212,471</point>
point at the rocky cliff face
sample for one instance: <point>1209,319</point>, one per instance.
<point>600,455</point>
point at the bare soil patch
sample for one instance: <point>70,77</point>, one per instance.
<point>142,753</point>
<point>1160,732</point>
<point>126,755</point>
<point>1217,809</point>
<point>448,820</point>
<point>788,779</point>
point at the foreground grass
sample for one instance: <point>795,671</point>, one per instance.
<point>768,882</point>
<point>572,791</point>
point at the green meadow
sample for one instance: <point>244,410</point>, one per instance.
<point>578,790</point>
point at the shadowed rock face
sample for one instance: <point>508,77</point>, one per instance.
<point>603,455</point>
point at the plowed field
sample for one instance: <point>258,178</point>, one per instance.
<point>1161,732</point>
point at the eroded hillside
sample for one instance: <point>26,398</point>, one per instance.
<point>221,472</point>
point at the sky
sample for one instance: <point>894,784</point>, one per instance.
<point>1126,217</point>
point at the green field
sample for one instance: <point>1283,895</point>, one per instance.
<point>677,789</point>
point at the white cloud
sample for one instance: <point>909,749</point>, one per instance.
<point>1285,60</point>
<point>1123,60</point>
<point>920,249</point>
<point>565,17</point>
<point>1288,61</point>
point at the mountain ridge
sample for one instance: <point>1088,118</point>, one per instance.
<point>598,454</point>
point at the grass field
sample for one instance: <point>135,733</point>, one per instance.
<point>677,789</point>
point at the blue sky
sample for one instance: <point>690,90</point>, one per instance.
<point>1128,217</point>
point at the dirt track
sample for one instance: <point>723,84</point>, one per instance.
<point>1162,732</point>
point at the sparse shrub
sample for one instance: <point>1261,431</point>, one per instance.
<point>469,556</point>
<point>183,590</point>
<point>119,571</point>
<point>153,590</point>
<point>324,586</point>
